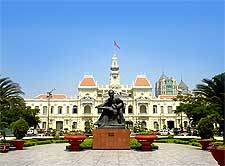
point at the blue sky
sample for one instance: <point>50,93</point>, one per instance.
<point>52,44</point>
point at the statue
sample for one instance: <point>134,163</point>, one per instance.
<point>112,114</point>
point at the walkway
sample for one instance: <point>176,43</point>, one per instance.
<point>55,154</point>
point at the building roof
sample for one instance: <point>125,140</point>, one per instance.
<point>88,81</point>
<point>182,85</point>
<point>163,76</point>
<point>167,96</point>
<point>54,96</point>
<point>141,80</point>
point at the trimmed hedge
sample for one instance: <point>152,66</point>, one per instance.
<point>60,141</point>
<point>87,144</point>
<point>43,142</point>
<point>134,144</point>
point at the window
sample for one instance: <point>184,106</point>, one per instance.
<point>185,123</point>
<point>144,125</point>
<point>52,109</point>
<point>74,110</point>
<point>130,109</point>
<point>154,109</point>
<point>74,126</point>
<point>170,111</point>
<point>87,109</point>
<point>44,110</point>
<point>59,109</point>
<point>143,109</point>
<point>162,110</point>
<point>67,109</point>
<point>44,125</point>
<point>156,125</point>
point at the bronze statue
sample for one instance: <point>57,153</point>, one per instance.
<point>112,114</point>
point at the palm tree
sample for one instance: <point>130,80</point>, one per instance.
<point>10,93</point>
<point>213,91</point>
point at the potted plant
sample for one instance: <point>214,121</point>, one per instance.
<point>205,128</point>
<point>218,152</point>
<point>145,138</point>
<point>4,146</point>
<point>20,128</point>
<point>75,139</point>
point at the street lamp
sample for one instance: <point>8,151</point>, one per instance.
<point>181,123</point>
<point>49,95</point>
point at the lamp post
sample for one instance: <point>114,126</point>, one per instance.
<point>49,95</point>
<point>181,122</point>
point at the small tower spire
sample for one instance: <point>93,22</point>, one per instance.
<point>114,73</point>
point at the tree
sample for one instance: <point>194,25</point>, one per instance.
<point>13,114</point>
<point>9,96</point>
<point>20,128</point>
<point>12,105</point>
<point>214,93</point>
<point>10,93</point>
<point>207,101</point>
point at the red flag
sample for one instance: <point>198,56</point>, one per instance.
<point>116,45</point>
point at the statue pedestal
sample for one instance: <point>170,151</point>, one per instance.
<point>109,138</point>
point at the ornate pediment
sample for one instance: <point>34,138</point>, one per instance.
<point>143,98</point>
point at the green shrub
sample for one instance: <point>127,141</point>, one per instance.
<point>87,144</point>
<point>170,136</point>
<point>193,140</point>
<point>20,128</point>
<point>177,141</point>
<point>154,146</point>
<point>60,141</point>
<point>195,144</point>
<point>56,137</point>
<point>165,140</point>
<point>134,144</point>
<point>27,144</point>
<point>205,127</point>
<point>43,142</point>
<point>3,141</point>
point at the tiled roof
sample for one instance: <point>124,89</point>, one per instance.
<point>88,81</point>
<point>167,96</point>
<point>182,85</point>
<point>54,96</point>
<point>141,81</point>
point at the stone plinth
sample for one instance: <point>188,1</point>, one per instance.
<point>111,138</point>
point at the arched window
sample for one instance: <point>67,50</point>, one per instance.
<point>87,109</point>
<point>74,126</point>
<point>52,109</point>
<point>185,123</point>
<point>74,109</point>
<point>143,123</point>
<point>154,109</point>
<point>143,109</point>
<point>156,125</point>
<point>59,109</point>
<point>130,109</point>
<point>44,110</point>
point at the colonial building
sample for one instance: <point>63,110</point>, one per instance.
<point>57,111</point>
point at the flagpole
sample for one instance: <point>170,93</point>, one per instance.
<point>114,50</point>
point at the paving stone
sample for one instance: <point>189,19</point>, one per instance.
<point>55,154</point>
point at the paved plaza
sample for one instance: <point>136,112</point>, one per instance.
<point>55,154</point>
